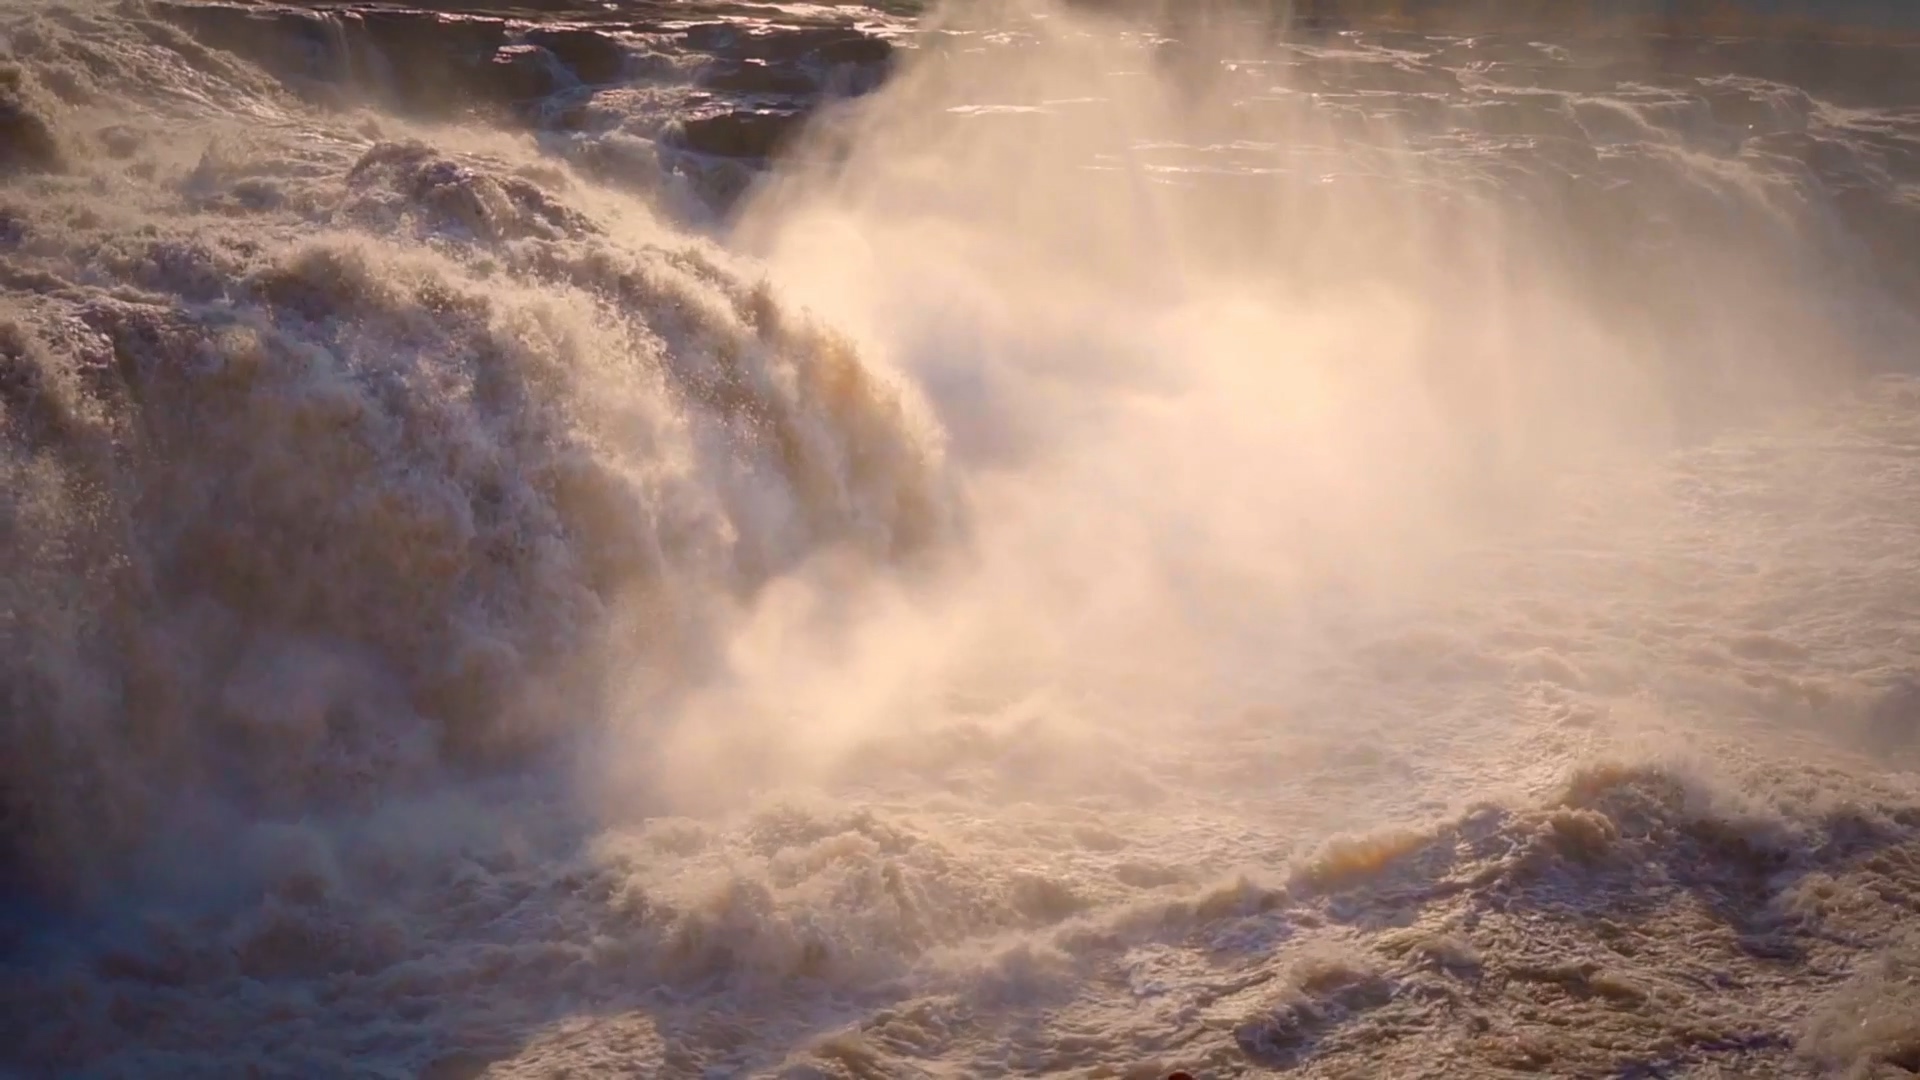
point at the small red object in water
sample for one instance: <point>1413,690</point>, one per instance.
<point>1180,1076</point>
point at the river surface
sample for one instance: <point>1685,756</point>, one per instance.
<point>818,540</point>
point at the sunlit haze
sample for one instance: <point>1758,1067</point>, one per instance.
<point>1013,538</point>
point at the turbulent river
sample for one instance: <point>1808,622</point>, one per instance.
<point>815,540</point>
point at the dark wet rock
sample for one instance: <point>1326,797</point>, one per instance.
<point>788,45</point>
<point>289,44</point>
<point>592,56</point>
<point>568,116</point>
<point>522,73</point>
<point>417,60</point>
<point>423,39</point>
<point>435,64</point>
<point>716,37</point>
<point>823,45</point>
<point>739,134</point>
<point>756,77</point>
<point>430,59</point>
<point>855,49</point>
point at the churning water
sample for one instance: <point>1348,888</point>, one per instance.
<point>724,539</point>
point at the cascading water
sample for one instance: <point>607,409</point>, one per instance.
<point>1141,539</point>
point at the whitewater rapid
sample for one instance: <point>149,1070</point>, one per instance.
<point>808,541</point>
